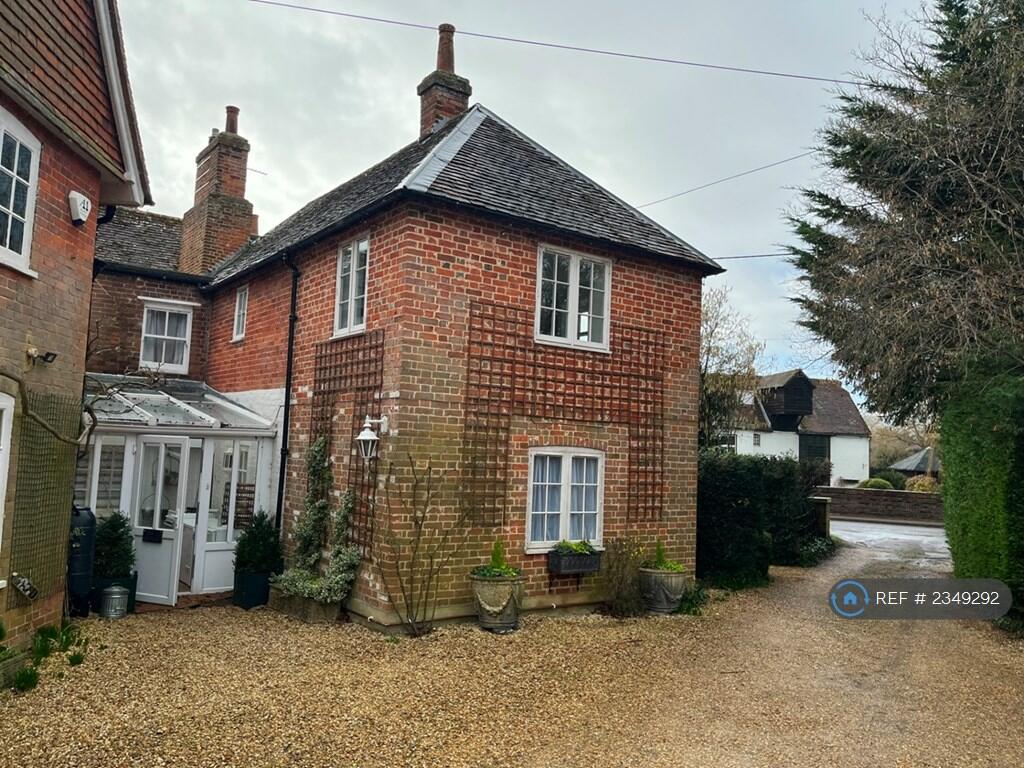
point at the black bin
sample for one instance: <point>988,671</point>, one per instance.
<point>81,550</point>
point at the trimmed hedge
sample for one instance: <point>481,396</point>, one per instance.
<point>891,476</point>
<point>983,474</point>
<point>753,511</point>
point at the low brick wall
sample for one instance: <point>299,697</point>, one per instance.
<point>867,504</point>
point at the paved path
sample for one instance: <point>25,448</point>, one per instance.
<point>920,547</point>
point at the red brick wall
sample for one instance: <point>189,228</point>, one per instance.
<point>258,360</point>
<point>426,265</point>
<point>49,312</point>
<point>115,322</point>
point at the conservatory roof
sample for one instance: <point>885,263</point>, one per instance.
<point>177,404</point>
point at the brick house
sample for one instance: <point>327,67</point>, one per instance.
<point>67,125</point>
<point>527,333</point>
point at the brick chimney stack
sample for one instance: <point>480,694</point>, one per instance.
<point>220,220</point>
<point>443,94</point>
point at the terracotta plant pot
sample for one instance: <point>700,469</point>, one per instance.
<point>662,590</point>
<point>498,601</point>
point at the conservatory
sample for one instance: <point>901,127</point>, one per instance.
<point>187,466</point>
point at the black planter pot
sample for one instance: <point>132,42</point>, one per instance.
<point>251,589</point>
<point>98,585</point>
<point>572,564</point>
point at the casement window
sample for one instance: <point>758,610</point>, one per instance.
<point>566,497</point>
<point>232,489</point>
<point>99,475</point>
<point>815,447</point>
<point>350,288</point>
<point>166,337</point>
<point>19,173</point>
<point>6,425</point>
<point>241,311</point>
<point>757,439</point>
<point>573,299</point>
<point>725,442</point>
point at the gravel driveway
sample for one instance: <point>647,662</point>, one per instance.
<point>765,678</point>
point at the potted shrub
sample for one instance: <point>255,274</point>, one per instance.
<point>572,558</point>
<point>114,563</point>
<point>498,592</point>
<point>257,558</point>
<point>663,582</point>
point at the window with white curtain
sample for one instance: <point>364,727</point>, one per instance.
<point>573,299</point>
<point>166,333</point>
<point>241,312</point>
<point>350,288</point>
<point>566,497</point>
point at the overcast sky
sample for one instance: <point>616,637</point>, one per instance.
<point>323,98</point>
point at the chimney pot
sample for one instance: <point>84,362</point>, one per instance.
<point>231,121</point>
<point>446,48</point>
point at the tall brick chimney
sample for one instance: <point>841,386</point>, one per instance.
<point>443,94</point>
<point>220,219</point>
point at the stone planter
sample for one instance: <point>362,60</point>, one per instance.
<point>498,601</point>
<point>573,564</point>
<point>251,589</point>
<point>9,668</point>
<point>662,590</point>
<point>303,608</point>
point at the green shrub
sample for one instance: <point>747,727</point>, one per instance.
<point>258,549</point>
<point>574,548</point>
<point>923,484</point>
<point>305,578</point>
<point>660,562</point>
<point>620,577</point>
<point>983,473</point>
<point>115,552</point>
<point>875,484</point>
<point>45,641</point>
<point>734,547</point>
<point>896,479</point>
<point>498,567</point>
<point>25,679</point>
<point>75,658</point>
<point>814,551</point>
<point>693,601</point>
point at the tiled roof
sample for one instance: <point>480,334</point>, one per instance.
<point>834,412</point>
<point>773,380</point>
<point>140,239</point>
<point>477,160</point>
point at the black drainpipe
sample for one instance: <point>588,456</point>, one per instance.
<point>286,416</point>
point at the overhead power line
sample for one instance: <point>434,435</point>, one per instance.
<point>566,47</point>
<point>726,178</point>
<point>753,256</point>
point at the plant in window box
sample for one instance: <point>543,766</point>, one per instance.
<point>257,558</point>
<point>498,592</point>
<point>114,563</point>
<point>663,582</point>
<point>573,558</point>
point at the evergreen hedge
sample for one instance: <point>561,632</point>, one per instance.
<point>753,511</point>
<point>983,478</point>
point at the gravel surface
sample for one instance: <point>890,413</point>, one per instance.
<point>765,678</point>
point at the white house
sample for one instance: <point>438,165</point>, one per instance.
<point>793,415</point>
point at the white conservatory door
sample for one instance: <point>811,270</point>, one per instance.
<point>159,508</point>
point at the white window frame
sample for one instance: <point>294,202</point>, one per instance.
<point>574,296</point>
<point>182,307</point>
<point>241,313</point>
<point>6,431</point>
<point>21,261</point>
<point>757,439</point>
<point>566,453</point>
<point>350,328</point>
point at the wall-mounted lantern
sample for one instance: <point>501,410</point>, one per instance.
<point>367,440</point>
